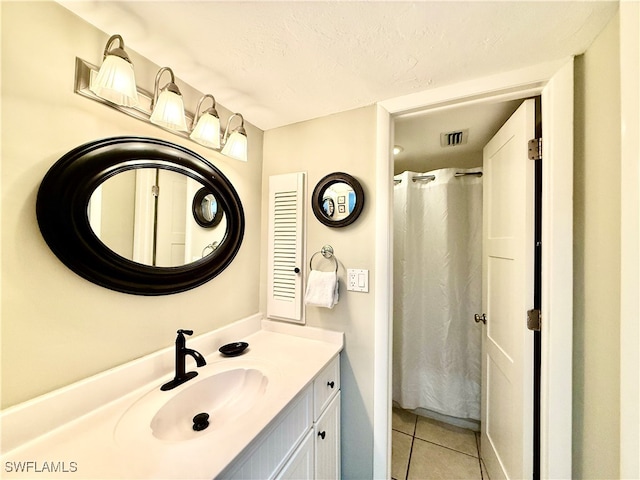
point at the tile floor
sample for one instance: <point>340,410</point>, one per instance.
<point>423,449</point>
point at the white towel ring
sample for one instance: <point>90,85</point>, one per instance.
<point>326,252</point>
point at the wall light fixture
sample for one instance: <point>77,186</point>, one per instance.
<point>164,107</point>
<point>235,144</point>
<point>167,105</point>
<point>207,129</point>
<point>116,81</point>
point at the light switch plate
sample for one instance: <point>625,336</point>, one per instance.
<point>357,280</point>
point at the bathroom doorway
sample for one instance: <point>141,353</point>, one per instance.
<point>553,81</point>
<point>436,371</point>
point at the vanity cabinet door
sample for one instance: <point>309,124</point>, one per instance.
<point>327,440</point>
<point>270,451</point>
<point>300,466</point>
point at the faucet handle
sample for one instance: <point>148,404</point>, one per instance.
<point>186,332</point>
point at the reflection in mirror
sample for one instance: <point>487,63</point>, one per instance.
<point>208,207</point>
<point>328,206</point>
<point>111,213</point>
<point>144,215</point>
<point>338,201</point>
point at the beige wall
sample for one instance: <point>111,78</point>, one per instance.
<point>58,328</point>
<point>596,413</point>
<point>344,142</point>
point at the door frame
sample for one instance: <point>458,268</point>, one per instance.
<point>630,240</point>
<point>553,81</point>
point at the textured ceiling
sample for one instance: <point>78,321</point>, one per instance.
<point>283,62</point>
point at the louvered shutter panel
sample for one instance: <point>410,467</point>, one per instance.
<point>286,222</point>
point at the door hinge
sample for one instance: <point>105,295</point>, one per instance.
<point>155,190</point>
<point>535,149</point>
<point>534,320</point>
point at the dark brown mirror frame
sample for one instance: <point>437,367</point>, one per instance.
<point>318,194</point>
<point>65,191</point>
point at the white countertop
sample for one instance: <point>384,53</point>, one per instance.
<point>89,446</point>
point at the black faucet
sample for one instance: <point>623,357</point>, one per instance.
<point>181,352</point>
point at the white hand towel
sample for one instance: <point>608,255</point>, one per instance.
<point>322,289</point>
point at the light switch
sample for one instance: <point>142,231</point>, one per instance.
<point>357,280</point>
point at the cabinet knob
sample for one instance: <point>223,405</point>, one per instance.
<point>322,434</point>
<point>331,384</point>
<point>296,270</point>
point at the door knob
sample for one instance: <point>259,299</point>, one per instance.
<point>480,318</point>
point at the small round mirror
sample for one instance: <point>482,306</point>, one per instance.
<point>337,200</point>
<point>206,211</point>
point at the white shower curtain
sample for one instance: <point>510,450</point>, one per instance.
<point>437,291</point>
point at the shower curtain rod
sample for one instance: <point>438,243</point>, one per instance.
<point>430,178</point>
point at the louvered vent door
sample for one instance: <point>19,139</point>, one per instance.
<point>285,261</point>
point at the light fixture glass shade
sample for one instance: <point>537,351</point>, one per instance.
<point>207,131</point>
<point>236,146</point>
<point>169,111</point>
<point>116,82</point>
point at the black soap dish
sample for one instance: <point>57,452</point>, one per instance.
<point>233,349</point>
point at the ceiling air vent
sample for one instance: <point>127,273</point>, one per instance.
<point>452,139</point>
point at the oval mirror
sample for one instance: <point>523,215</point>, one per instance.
<point>337,200</point>
<point>120,212</point>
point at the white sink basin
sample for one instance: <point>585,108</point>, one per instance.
<point>224,396</point>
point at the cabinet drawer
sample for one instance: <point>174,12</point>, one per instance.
<point>325,386</point>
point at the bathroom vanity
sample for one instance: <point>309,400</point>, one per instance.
<point>303,441</point>
<point>274,413</point>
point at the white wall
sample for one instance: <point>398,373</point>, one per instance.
<point>58,328</point>
<point>344,142</point>
<point>596,383</point>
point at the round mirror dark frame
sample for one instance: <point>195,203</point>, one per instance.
<point>66,189</point>
<point>198,215</point>
<point>317,199</point>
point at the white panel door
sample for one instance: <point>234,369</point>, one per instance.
<point>144,216</point>
<point>508,276</point>
<point>171,218</point>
